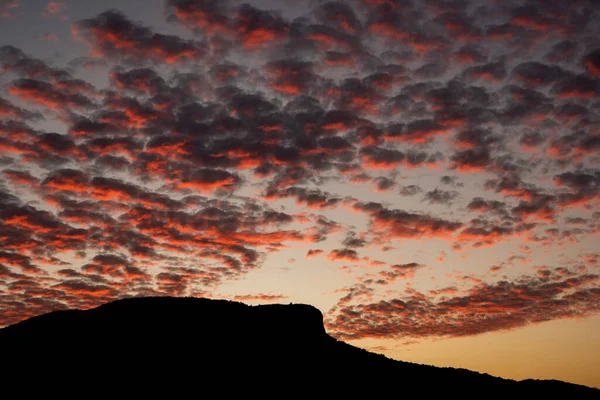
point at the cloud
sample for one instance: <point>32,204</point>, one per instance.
<point>585,187</point>
<point>343,255</point>
<point>21,178</point>
<point>15,60</point>
<point>439,196</point>
<point>340,15</point>
<point>493,72</point>
<point>410,190</point>
<point>537,74</point>
<point>257,28</point>
<point>471,160</point>
<point>48,95</point>
<point>112,35</point>
<point>115,266</point>
<point>7,7</point>
<point>314,198</point>
<point>208,180</point>
<point>210,16</point>
<point>239,132</point>
<point>20,261</point>
<point>10,110</point>
<point>394,223</point>
<point>291,77</point>
<point>383,184</point>
<point>374,157</point>
<point>143,80</point>
<point>399,271</point>
<point>314,253</point>
<point>260,297</point>
<point>592,63</point>
<point>55,7</point>
<point>69,180</point>
<point>484,308</point>
<point>420,131</point>
<point>484,206</point>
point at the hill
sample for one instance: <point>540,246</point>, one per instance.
<point>192,346</point>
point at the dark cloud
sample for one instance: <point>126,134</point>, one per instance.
<point>143,80</point>
<point>537,74</point>
<point>290,77</point>
<point>353,241</point>
<point>484,206</point>
<point>257,28</point>
<point>475,138</point>
<point>399,271</point>
<point>340,15</point>
<point>439,196</point>
<point>68,180</point>
<point>592,63</point>
<point>9,110</point>
<point>471,160</point>
<point>420,131</point>
<point>393,223</point>
<point>540,207</point>
<point>15,60</point>
<point>410,190</point>
<point>210,16</point>
<point>451,181</point>
<point>383,184</point>
<point>113,35</point>
<point>48,95</point>
<point>114,266</point>
<point>314,253</point>
<point>577,87</point>
<point>343,255</point>
<point>584,187</point>
<point>493,72</point>
<point>109,189</point>
<point>311,198</point>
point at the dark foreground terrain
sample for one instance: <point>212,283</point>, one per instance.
<point>187,347</point>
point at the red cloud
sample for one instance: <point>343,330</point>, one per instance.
<point>112,35</point>
<point>402,271</point>
<point>48,95</point>
<point>69,180</point>
<point>343,255</point>
<point>485,308</point>
<point>257,28</point>
<point>314,253</point>
<point>211,17</point>
<point>55,7</point>
<point>393,223</point>
<point>592,63</point>
<point>209,180</point>
<point>21,178</point>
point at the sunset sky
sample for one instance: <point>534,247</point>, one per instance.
<point>424,172</point>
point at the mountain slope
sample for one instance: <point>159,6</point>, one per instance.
<point>183,344</point>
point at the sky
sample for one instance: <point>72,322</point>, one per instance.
<point>423,172</point>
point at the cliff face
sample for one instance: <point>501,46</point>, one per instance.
<point>149,344</point>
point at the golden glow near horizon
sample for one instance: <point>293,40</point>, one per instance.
<point>426,174</point>
<point>569,349</point>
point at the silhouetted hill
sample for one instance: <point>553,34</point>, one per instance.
<point>196,347</point>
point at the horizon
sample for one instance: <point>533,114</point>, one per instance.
<point>425,173</point>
